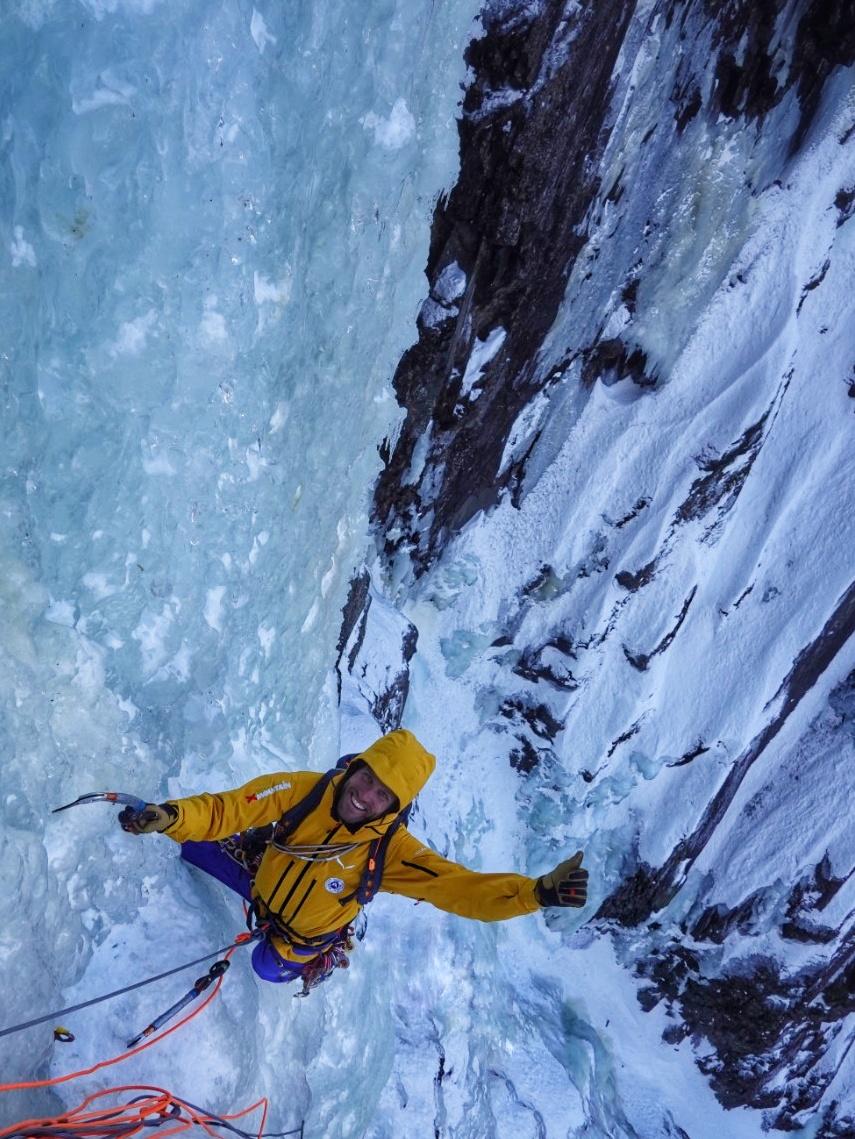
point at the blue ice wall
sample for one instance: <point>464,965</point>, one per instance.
<point>214,221</point>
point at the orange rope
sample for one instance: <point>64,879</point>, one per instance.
<point>80,1121</point>
<point>125,1055</point>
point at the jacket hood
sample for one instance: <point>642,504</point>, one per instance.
<point>400,761</point>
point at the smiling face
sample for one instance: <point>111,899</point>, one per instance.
<point>363,798</point>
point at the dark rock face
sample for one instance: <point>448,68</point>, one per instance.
<point>537,120</point>
<point>382,684</point>
<point>354,608</point>
<point>770,1024</point>
<point>824,39</point>
<point>512,224</point>
<point>761,1023</point>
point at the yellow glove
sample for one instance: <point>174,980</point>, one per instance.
<point>566,885</point>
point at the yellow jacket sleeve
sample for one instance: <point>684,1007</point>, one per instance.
<point>205,818</point>
<point>416,871</point>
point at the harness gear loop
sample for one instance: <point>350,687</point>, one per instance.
<point>320,968</point>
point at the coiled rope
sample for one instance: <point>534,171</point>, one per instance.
<point>155,1108</point>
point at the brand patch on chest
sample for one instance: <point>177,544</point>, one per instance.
<point>334,885</point>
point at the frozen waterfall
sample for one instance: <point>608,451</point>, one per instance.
<point>576,508</point>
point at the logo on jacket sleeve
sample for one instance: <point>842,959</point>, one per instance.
<point>268,791</point>
<point>334,885</point>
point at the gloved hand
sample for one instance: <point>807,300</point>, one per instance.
<point>155,818</point>
<point>566,885</point>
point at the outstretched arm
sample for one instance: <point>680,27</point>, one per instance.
<point>209,817</point>
<point>416,871</point>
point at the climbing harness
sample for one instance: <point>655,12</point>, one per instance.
<point>247,850</point>
<point>335,956</point>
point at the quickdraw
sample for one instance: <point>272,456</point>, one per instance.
<point>199,986</point>
<point>321,968</point>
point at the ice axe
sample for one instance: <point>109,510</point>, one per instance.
<point>131,801</point>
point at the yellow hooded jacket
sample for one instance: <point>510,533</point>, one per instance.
<point>304,894</point>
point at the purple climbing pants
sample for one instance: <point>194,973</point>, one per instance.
<point>211,858</point>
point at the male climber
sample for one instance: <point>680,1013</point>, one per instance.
<point>332,841</point>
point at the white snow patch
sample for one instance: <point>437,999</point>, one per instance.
<point>102,8</point>
<point>267,291</point>
<point>212,327</point>
<point>528,422</point>
<point>158,462</point>
<point>254,461</point>
<point>179,667</point>
<point>394,132</point>
<point>258,543</point>
<point>420,454</point>
<point>481,355</point>
<point>21,250</point>
<point>214,607</point>
<point>450,284</point>
<point>432,314</point>
<point>328,578</point>
<point>266,636</point>
<point>127,706</point>
<point>311,617</point>
<point>60,613</point>
<point>616,323</point>
<point>279,417</point>
<point>132,335</point>
<point>258,31</point>
<point>109,91</point>
<point>99,584</point>
<point>151,633</point>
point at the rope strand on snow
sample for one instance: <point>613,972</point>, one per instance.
<point>241,939</point>
<point>152,1040</point>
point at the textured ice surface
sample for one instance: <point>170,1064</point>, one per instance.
<point>213,226</point>
<point>216,268</point>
